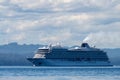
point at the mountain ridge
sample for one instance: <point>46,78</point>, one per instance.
<point>15,54</point>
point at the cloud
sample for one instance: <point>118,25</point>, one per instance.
<point>107,39</point>
<point>66,21</point>
<point>63,5</point>
<point>31,4</point>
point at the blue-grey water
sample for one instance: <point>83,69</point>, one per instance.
<point>59,73</point>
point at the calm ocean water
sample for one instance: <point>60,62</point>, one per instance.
<point>59,73</point>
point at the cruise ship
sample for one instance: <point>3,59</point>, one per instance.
<point>56,55</point>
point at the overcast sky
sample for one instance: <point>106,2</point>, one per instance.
<point>69,22</point>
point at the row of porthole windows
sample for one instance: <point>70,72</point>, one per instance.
<point>83,59</point>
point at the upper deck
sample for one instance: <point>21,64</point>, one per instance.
<point>59,48</point>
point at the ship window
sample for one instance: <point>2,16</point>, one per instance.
<point>82,58</point>
<point>88,59</point>
<point>39,63</point>
<point>78,59</point>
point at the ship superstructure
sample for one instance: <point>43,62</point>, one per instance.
<point>57,55</point>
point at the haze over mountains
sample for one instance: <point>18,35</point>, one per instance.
<point>13,54</point>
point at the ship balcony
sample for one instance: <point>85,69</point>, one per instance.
<point>39,56</point>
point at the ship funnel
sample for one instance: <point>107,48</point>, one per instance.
<point>85,45</point>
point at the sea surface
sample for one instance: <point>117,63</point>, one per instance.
<point>59,73</point>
